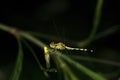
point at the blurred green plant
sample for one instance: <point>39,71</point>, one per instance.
<point>59,59</point>
<point>57,56</point>
<point>96,22</point>
<point>19,62</point>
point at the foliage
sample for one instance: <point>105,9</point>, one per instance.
<point>64,66</point>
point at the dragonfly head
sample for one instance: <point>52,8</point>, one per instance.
<point>52,45</point>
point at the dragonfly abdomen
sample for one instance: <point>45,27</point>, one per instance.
<point>81,49</point>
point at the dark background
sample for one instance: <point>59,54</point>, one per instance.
<point>69,15</point>
<point>73,20</point>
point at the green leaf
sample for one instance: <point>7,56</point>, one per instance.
<point>96,21</point>
<point>18,65</point>
<point>97,17</point>
<point>36,58</point>
<point>82,68</point>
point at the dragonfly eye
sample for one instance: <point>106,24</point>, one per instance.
<point>52,45</point>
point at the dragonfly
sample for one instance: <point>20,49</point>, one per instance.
<point>59,46</point>
<point>62,46</point>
